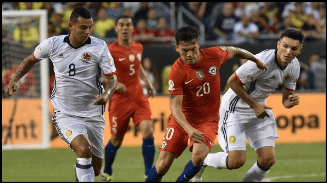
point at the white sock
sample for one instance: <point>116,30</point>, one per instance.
<point>84,170</point>
<point>216,160</point>
<point>255,174</point>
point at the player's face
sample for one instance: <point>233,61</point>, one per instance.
<point>189,51</point>
<point>81,29</point>
<point>124,28</point>
<point>287,50</point>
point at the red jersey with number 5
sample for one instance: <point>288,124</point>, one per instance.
<point>199,84</point>
<point>127,62</point>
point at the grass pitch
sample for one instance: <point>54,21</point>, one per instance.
<point>304,162</point>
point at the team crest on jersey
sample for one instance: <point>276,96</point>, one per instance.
<point>199,74</point>
<point>232,139</point>
<point>286,77</point>
<point>68,133</point>
<point>131,57</point>
<point>86,56</point>
<point>163,144</point>
<point>213,70</point>
<point>114,130</point>
<point>171,85</point>
<point>139,56</point>
<point>39,49</point>
<point>110,60</point>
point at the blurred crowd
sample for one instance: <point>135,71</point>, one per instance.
<point>225,22</point>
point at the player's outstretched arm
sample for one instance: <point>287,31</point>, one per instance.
<point>236,86</point>
<point>175,102</point>
<point>244,54</point>
<point>148,83</point>
<point>290,98</point>
<point>110,89</point>
<point>23,68</point>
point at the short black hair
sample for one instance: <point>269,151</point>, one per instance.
<point>186,34</point>
<point>121,17</point>
<point>293,33</point>
<point>80,11</point>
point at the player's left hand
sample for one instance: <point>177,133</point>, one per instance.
<point>150,90</point>
<point>102,99</point>
<point>294,99</point>
<point>261,65</point>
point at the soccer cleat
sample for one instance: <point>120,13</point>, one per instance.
<point>105,176</point>
<point>145,177</point>
<point>198,176</point>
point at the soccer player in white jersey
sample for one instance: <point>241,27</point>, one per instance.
<point>244,113</point>
<point>80,63</point>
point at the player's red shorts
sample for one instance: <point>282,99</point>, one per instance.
<point>120,112</point>
<point>176,138</point>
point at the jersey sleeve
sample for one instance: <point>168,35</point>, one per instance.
<point>222,53</point>
<point>107,63</point>
<point>290,81</point>
<point>249,71</point>
<point>175,81</point>
<point>42,51</point>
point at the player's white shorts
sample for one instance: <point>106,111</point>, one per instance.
<point>69,126</point>
<point>232,133</point>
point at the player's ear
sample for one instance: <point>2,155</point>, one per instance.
<point>176,47</point>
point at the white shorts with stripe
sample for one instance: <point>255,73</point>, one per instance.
<point>69,126</point>
<point>234,128</point>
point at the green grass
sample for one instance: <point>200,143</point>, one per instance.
<point>294,163</point>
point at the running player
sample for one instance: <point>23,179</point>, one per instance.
<point>244,113</point>
<point>79,61</point>
<point>194,88</point>
<point>129,101</point>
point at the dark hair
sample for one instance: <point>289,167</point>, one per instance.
<point>80,11</point>
<point>293,33</point>
<point>186,34</point>
<point>122,17</point>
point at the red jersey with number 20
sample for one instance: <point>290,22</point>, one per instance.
<point>199,84</point>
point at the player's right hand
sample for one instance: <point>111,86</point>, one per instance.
<point>260,111</point>
<point>195,135</point>
<point>121,88</point>
<point>11,88</point>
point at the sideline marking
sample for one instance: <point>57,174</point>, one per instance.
<point>291,176</point>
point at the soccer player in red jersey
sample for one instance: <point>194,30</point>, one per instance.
<point>194,88</point>
<point>128,101</point>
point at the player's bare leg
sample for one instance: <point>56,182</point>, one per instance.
<point>84,169</point>
<point>236,159</point>
<point>148,147</point>
<point>97,164</point>
<point>199,153</point>
<point>162,166</point>
<point>266,159</point>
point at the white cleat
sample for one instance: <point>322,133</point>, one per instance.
<point>198,176</point>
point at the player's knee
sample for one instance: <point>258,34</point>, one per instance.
<point>267,161</point>
<point>235,163</point>
<point>84,151</point>
<point>116,141</point>
<point>162,167</point>
<point>148,133</point>
<point>197,159</point>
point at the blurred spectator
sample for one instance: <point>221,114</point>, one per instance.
<point>240,10</point>
<point>26,85</point>
<point>274,25</point>
<point>103,24</point>
<point>151,73</point>
<point>116,10</point>
<point>197,9</point>
<point>224,24</point>
<point>30,5</point>
<point>127,12</point>
<point>287,23</point>
<point>259,20</point>
<point>68,10</point>
<point>251,6</point>
<point>51,12</point>
<point>61,27</point>
<point>142,13</point>
<point>27,32</point>
<point>93,8</point>
<point>305,80</point>
<point>311,29</point>
<point>298,17</point>
<point>132,6</point>
<point>141,33</point>
<point>51,30</point>
<point>6,36</point>
<point>152,22</point>
<point>7,6</point>
<point>312,9</point>
<point>322,19</point>
<point>318,68</point>
<point>245,31</point>
<point>288,8</point>
<point>163,30</point>
<point>164,78</point>
<point>234,68</point>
